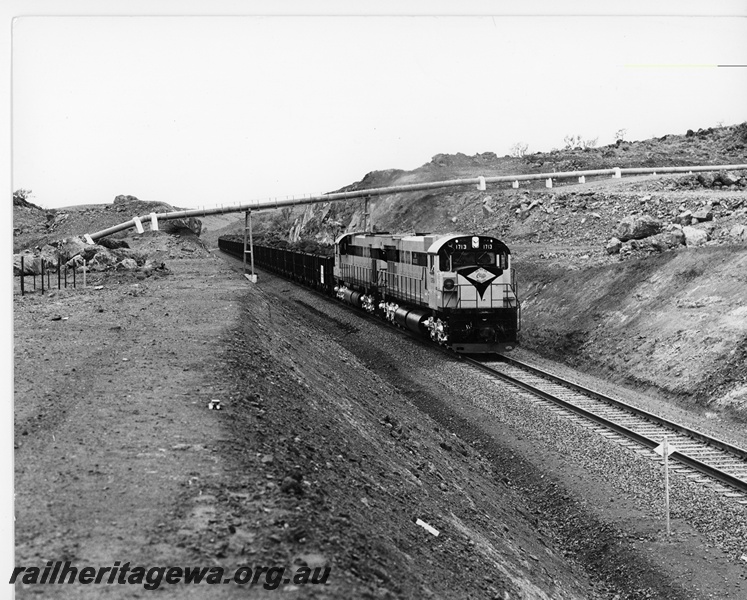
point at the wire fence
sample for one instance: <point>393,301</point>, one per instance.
<point>50,273</point>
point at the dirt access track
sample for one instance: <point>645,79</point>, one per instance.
<point>335,435</point>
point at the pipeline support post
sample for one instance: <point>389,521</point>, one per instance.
<point>548,182</point>
<point>248,231</point>
<point>515,185</point>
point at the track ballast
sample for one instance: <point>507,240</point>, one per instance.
<point>698,456</point>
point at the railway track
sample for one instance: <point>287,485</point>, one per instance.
<point>698,456</point>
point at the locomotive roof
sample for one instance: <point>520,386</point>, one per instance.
<point>438,239</point>
<point>437,244</point>
<point>386,236</point>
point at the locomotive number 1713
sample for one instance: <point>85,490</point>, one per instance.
<point>474,244</point>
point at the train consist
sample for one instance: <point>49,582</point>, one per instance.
<point>459,289</point>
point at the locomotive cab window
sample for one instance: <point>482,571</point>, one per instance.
<point>420,259</point>
<point>467,259</point>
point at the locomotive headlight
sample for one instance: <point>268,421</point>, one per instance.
<point>448,284</point>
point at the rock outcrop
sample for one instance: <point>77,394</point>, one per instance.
<point>694,237</point>
<point>636,227</point>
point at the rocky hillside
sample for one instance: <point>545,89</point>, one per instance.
<point>34,226</point>
<point>56,237</point>
<point>669,319</point>
<point>517,215</point>
<point>581,305</point>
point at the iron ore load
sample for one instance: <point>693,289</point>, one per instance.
<point>458,289</point>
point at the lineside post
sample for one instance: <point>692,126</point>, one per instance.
<point>666,483</point>
<point>248,230</point>
<point>664,450</point>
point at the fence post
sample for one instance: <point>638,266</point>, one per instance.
<point>21,275</point>
<point>65,276</point>
<point>73,275</point>
<point>84,273</point>
<point>59,272</point>
<point>42,274</point>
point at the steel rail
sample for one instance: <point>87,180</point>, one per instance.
<point>710,470</point>
<point>693,433</point>
<point>412,187</point>
<point>693,463</point>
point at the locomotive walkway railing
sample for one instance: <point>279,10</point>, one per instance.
<point>480,182</point>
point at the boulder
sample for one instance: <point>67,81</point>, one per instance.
<point>71,247</point>
<point>49,255</point>
<point>137,255</point>
<point>76,262</point>
<point>102,260</point>
<point>112,244</point>
<point>738,231</point>
<point>694,237</point>
<point>728,178</point>
<point>636,227</point>
<point>684,218</point>
<point>613,246</point>
<point>174,225</point>
<point>706,179</point>
<point>127,264</point>
<point>703,214</point>
<point>31,264</point>
<point>667,240</point>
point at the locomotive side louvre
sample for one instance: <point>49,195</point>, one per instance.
<point>394,267</point>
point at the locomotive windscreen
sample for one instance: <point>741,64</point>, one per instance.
<point>473,251</point>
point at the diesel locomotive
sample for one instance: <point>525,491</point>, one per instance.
<point>459,289</point>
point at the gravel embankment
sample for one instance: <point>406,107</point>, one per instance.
<point>602,503</point>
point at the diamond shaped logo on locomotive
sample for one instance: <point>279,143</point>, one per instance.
<point>481,275</point>
<point>481,278</point>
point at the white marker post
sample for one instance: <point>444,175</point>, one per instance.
<point>664,450</point>
<point>432,530</point>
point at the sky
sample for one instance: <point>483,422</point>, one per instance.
<point>209,110</point>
